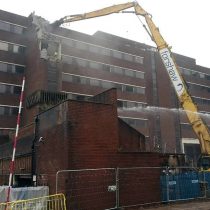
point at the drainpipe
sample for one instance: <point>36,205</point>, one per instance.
<point>33,155</point>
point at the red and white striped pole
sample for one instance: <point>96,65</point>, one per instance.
<point>12,163</point>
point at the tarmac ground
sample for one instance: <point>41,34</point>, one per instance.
<point>194,205</point>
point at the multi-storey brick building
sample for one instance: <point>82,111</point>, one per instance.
<point>60,63</point>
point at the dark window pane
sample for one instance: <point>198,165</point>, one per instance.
<point>17,90</point>
<point>19,69</point>
<point>3,67</point>
<point>4,26</point>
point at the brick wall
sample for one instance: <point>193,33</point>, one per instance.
<point>86,135</point>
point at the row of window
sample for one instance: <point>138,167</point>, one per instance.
<point>10,89</point>
<point>5,26</point>
<point>4,131</point>
<point>101,66</point>
<point>129,104</point>
<point>10,47</point>
<point>5,110</point>
<point>187,126</point>
<point>11,68</point>
<point>201,101</point>
<point>137,123</point>
<point>120,103</point>
<point>196,74</point>
<point>198,87</point>
<point>101,83</point>
<point>103,51</point>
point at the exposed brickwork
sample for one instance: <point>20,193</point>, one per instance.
<point>89,135</point>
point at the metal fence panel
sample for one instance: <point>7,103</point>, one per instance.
<point>99,189</point>
<point>139,186</point>
<point>184,184</point>
<point>88,189</point>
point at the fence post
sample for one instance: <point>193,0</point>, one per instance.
<point>56,182</point>
<point>167,184</point>
<point>117,187</point>
<point>205,184</point>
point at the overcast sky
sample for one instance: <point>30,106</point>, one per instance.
<point>183,23</point>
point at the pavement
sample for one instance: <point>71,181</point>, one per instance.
<point>196,205</point>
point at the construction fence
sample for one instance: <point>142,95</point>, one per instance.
<point>52,202</point>
<point>23,193</point>
<point>113,188</point>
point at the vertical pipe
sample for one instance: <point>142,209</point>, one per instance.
<point>33,151</point>
<point>117,187</point>
<point>12,163</point>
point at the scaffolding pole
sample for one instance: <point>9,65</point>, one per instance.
<point>12,163</point>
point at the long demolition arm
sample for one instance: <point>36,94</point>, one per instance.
<point>172,68</point>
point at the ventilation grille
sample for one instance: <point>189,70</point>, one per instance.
<point>45,97</point>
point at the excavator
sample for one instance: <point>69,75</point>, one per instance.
<point>199,127</point>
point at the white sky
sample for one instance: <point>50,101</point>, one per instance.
<point>183,23</point>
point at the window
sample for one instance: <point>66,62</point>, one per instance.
<point>129,73</point>
<point>4,46</point>
<point>139,90</point>
<point>14,111</point>
<point>11,68</point>
<point>17,90</point>
<point>94,82</point>
<point>76,79</point>
<point>2,88</point>
<point>93,49</point>
<point>15,48</point>
<point>21,49</point>
<point>116,70</point>
<point>67,78</point>
<point>128,57</point>
<point>11,47</point>
<point>105,51</point>
<point>4,110</point>
<point>3,67</point>
<point>139,105</point>
<point>82,62</point>
<point>4,26</point>
<point>106,84</point>
<point>84,81</point>
<point>139,59</point>
<point>202,76</point>
<point>131,104</point>
<point>139,75</point>
<point>117,54</point>
<point>118,86</point>
<point>1,110</point>
<point>11,27</point>
<point>106,67</point>
<point>19,69</point>
<point>128,88</point>
<point>208,77</point>
<point>18,29</point>
<point>95,65</point>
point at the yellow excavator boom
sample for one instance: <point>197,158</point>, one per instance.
<point>168,60</point>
